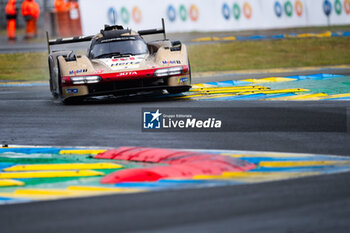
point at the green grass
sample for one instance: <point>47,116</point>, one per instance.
<point>270,54</point>
<point>24,66</point>
<point>237,55</point>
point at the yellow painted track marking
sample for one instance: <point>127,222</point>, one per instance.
<point>202,85</point>
<point>102,189</point>
<point>32,197</point>
<point>71,191</point>
<point>268,155</point>
<point>49,174</point>
<point>270,79</point>
<point>81,152</point>
<point>207,96</point>
<point>221,91</point>
<point>252,177</point>
<point>316,96</point>
<point>203,39</point>
<point>256,174</point>
<point>337,96</point>
<point>312,35</point>
<point>46,192</point>
<point>242,93</point>
<point>229,38</point>
<point>306,35</point>
<point>4,183</point>
<point>292,90</point>
<point>49,193</point>
<point>302,163</point>
<point>210,89</point>
<point>224,92</point>
<point>302,35</point>
<point>324,34</point>
<point>68,166</point>
<point>267,71</point>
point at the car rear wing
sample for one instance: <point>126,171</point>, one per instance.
<point>68,40</point>
<point>78,39</point>
<point>154,31</point>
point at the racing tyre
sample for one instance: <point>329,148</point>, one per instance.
<point>178,90</point>
<point>51,72</point>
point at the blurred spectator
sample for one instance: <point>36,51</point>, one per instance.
<point>30,12</point>
<point>73,4</point>
<point>74,14</point>
<point>11,15</point>
<point>61,5</point>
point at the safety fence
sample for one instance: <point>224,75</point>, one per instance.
<point>210,15</point>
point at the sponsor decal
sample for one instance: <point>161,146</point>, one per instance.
<point>181,121</point>
<point>171,13</point>
<point>75,72</point>
<point>288,9</point>
<point>99,71</point>
<point>171,62</point>
<point>247,10</point>
<point>192,13</point>
<point>278,9</point>
<point>338,7</point>
<point>123,15</point>
<point>298,8</point>
<point>347,6</point>
<point>226,11</point>
<point>127,73</point>
<point>327,7</point>
<point>125,63</point>
<point>123,59</point>
<point>72,91</point>
<point>237,10</point>
<point>137,14</point>
<point>182,80</point>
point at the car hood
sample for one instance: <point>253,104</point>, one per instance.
<point>122,63</point>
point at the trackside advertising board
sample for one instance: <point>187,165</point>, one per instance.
<point>213,15</point>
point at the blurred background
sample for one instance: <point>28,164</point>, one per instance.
<point>221,35</point>
<point>89,16</point>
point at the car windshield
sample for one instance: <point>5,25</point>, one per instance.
<point>116,47</point>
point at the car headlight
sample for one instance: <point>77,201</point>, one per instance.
<point>168,71</point>
<point>85,79</point>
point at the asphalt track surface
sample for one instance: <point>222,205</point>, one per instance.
<point>28,115</point>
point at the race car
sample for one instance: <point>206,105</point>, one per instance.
<point>118,62</point>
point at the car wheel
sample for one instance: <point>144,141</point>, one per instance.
<point>51,73</point>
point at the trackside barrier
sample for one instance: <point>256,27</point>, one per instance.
<point>213,15</point>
